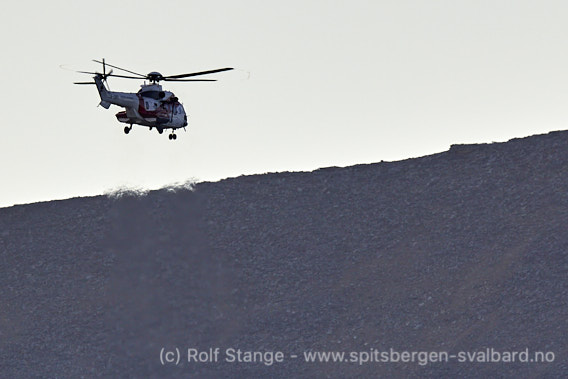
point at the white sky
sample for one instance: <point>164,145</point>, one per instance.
<point>332,83</point>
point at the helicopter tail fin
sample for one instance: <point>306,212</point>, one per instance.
<point>103,92</point>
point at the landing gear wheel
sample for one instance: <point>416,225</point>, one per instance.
<point>174,136</point>
<point>127,129</point>
<point>170,137</point>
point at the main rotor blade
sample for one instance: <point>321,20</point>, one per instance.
<point>124,76</point>
<point>109,74</point>
<point>118,68</point>
<point>197,73</point>
<point>189,80</point>
<point>84,83</point>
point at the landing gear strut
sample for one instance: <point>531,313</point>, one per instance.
<point>127,129</point>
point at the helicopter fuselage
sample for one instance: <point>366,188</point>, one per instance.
<point>150,107</point>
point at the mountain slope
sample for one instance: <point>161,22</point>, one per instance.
<point>459,251</point>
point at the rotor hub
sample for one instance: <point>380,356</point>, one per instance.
<point>155,76</point>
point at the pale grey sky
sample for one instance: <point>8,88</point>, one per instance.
<point>331,83</point>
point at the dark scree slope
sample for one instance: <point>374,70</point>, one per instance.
<point>459,251</point>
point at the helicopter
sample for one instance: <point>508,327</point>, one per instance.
<point>151,106</point>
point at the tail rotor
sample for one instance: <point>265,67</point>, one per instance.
<point>103,76</point>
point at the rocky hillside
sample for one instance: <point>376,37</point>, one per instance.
<point>455,253</point>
